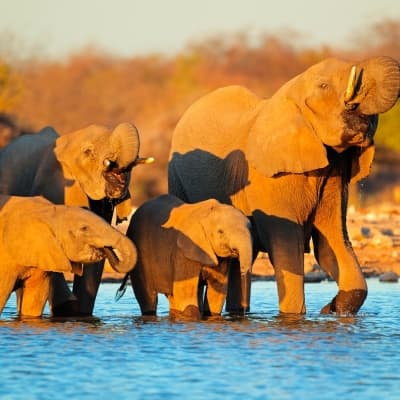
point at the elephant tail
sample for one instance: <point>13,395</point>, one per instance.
<point>122,289</point>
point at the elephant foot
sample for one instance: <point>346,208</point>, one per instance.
<point>237,311</point>
<point>67,309</point>
<point>346,302</point>
<point>190,312</point>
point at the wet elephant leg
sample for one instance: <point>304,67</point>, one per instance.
<point>85,287</point>
<point>334,251</point>
<point>234,291</point>
<point>145,295</point>
<point>347,273</point>
<point>7,284</point>
<point>287,257</point>
<point>34,294</point>
<point>63,303</point>
<point>184,301</point>
<point>217,286</point>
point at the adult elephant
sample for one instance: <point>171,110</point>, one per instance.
<point>286,162</point>
<point>91,168</point>
<point>37,236</point>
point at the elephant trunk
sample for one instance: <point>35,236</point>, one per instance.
<point>378,85</point>
<point>245,261</point>
<point>125,142</point>
<point>122,255</point>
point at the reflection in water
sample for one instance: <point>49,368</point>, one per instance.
<point>263,355</point>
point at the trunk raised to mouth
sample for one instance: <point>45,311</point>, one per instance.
<point>122,257</point>
<point>379,84</point>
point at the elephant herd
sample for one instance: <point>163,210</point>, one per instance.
<point>245,174</point>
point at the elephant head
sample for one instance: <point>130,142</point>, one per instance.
<point>59,238</point>
<point>100,160</point>
<point>334,103</point>
<point>209,230</point>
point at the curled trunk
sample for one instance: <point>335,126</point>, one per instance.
<point>122,255</point>
<point>125,142</point>
<point>378,84</point>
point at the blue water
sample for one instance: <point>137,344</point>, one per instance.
<point>119,355</point>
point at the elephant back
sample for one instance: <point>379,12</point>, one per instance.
<point>20,159</point>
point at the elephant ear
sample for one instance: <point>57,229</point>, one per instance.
<point>361,163</point>
<point>35,245</point>
<point>282,141</point>
<point>196,247</point>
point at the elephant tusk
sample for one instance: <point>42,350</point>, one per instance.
<point>144,160</point>
<point>351,84</point>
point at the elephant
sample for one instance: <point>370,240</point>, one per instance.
<point>286,161</point>
<point>182,252</point>
<point>90,168</point>
<point>37,237</point>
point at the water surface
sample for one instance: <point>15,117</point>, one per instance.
<point>120,355</point>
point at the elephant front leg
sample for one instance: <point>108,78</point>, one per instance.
<point>34,293</point>
<point>183,302</point>
<point>334,252</point>
<point>7,283</point>
<point>85,287</point>
<point>63,302</point>
<point>217,285</point>
<point>236,291</point>
<point>338,259</point>
<point>287,256</point>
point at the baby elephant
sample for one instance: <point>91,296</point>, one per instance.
<point>182,247</point>
<point>37,237</point>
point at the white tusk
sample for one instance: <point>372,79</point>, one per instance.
<point>144,160</point>
<point>351,84</point>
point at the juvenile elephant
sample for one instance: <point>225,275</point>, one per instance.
<point>286,162</point>
<point>37,236</point>
<point>182,247</point>
<point>90,167</point>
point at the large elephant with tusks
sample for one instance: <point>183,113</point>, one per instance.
<point>286,162</point>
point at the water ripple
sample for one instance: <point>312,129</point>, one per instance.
<point>261,356</point>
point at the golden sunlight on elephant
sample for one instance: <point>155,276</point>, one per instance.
<point>90,167</point>
<point>183,248</point>
<point>37,236</point>
<point>286,162</point>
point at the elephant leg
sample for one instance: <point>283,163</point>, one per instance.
<point>340,262</point>
<point>145,296</point>
<point>289,272</point>
<point>34,294</point>
<point>63,302</point>
<point>286,252</point>
<point>7,283</point>
<point>334,251</point>
<point>183,300</point>
<point>234,291</point>
<point>217,286</point>
<point>85,287</point>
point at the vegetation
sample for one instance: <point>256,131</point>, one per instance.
<point>153,91</point>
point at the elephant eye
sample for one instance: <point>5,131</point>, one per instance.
<point>323,85</point>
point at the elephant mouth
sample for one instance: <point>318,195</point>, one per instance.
<point>117,183</point>
<point>359,129</point>
<point>112,256</point>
